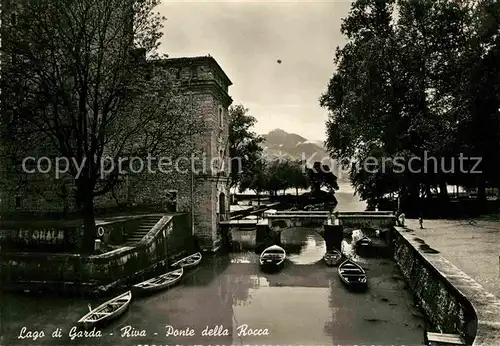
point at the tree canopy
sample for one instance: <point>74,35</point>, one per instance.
<point>244,144</point>
<point>417,79</point>
<point>76,87</point>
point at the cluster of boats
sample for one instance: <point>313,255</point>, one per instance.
<point>350,272</point>
<point>115,307</point>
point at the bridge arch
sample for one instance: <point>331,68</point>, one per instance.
<point>280,225</point>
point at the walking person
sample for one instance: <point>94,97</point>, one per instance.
<point>401,219</point>
<point>421,221</point>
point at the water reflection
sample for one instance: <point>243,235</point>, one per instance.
<point>303,244</point>
<point>305,303</point>
<point>309,247</point>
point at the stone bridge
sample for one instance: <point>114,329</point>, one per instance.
<point>329,226</point>
<point>381,220</point>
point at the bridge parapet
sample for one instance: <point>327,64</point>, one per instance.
<point>376,220</point>
<point>375,213</point>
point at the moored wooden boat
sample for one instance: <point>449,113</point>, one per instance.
<point>273,256</point>
<point>159,282</point>
<point>189,261</point>
<point>332,258</point>
<point>107,311</point>
<point>352,274</point>
<point>364,242</point>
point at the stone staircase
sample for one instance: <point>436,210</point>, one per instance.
<point>146,226</point>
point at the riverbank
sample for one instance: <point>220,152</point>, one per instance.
<point>471,245</point>
<point>466,254</point>
<point>304,304</point>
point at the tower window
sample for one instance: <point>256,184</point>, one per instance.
<point>221,117</point>
<point>171,201</point>
<point>18,202</point>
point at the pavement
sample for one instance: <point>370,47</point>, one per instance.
<point>471,245</point>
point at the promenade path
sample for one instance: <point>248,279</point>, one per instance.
<point>471,245</point>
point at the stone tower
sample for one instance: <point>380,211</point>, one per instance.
<point>206,194</point>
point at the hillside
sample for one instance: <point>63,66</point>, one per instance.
<point>281,144</point>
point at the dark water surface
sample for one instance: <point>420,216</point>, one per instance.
<point>305,304</point>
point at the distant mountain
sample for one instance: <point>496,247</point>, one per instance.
<point>281,144</point>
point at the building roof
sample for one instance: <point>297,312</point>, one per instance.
<point>199,60</point>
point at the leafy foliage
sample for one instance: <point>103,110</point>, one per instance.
<point>244,144</point>
<point>320,176</point>
<point>76,87</point>
<point>416,80</point>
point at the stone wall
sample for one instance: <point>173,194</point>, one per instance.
<point>99,274</point>
<point>51,238</point>
<point>204,84</point>
<point>445,306</point>
<point>207,211</point>
<point>454,302</point>
<point>367,221</point>
<point>61,236</point>
<point>117,231</point>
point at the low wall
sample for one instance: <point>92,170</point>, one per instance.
<point>48,238</point>
<point>367,220</point>
<point>62,236</point>
<point>116,231</point>
<point>98,274</point>
<point>453,302</point>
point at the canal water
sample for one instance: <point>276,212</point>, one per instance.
<point>228,299</point>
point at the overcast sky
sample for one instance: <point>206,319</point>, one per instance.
<point>248,37</point>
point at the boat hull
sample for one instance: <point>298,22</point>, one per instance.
<point>111,318</point>
<point>88,324</point>
<point>332,259</point>
<point>271,268</point>
<point>189,262</point>
<point>142,290</point>
<point>353,284</point>
<point>272,258</point>
<point>364,242</point>
<point>354,277</point>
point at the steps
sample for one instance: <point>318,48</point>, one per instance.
<point>439,339</point>
<point>146,225</point>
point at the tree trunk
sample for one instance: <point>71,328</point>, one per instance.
<point>89,226</point>
<point>297,191</point>
<point>258,198</point>
<point>428,191</point>
<point>443,189</point>
<point>481,192</point>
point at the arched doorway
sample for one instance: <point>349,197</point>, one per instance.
<point>222,206</point>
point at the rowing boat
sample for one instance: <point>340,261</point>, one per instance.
<point>272,257</point>
<point>332,258</point>
<point>352,274</point>
<point>364,242</point>
<point>159,282</point>
<point>188,262</point>
<point>106,312</point>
